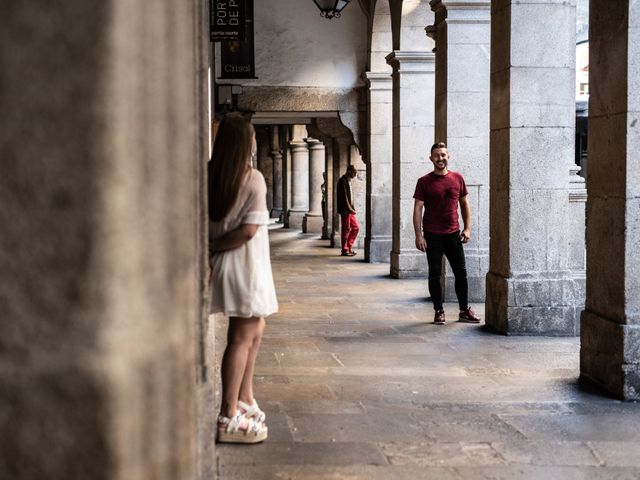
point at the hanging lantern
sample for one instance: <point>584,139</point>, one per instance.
<point>331,8</point>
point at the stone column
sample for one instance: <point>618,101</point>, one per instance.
<point>285,137</point>
<point>413,129</point>
<point>276,155</point>
<point>328,174</point>
<point>359,192</point>
<point>530,287</point>
<point>299,177</point>
<point>312,222</point>
<point>463,35</point>
<point>265,161</point>
<point>610,336</point>
<point>104,243</point>
<point>378,240</point>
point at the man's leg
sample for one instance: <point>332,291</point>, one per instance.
<point>455,254</point>
<point>435,247</point>
<point>344,232</point>
<point>354,228</point>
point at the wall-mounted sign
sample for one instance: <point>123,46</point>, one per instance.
<point>237,58</point>
<point>582,72</point>
<point>227,20</point>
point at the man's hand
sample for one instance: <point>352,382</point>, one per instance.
<point>421,243</point>
<point>465,235</point>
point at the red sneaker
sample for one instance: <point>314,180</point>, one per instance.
<point>438,319</point>
<point>468,316</point>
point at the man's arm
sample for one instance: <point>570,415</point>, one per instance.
<point>234,238</point>
<point>421,242</point>
<point>465,209</point>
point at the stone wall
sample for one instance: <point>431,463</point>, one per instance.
<point>101,196</point>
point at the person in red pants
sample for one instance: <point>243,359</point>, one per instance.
<point>350,226</point>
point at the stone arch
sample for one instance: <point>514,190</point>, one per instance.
<point>408,21</point>
<point>381,37</point>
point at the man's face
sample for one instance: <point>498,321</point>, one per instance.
<point>440,158</point>
<point>352,173</point>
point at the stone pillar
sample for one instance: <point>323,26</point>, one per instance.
<point>312,222</point>
<point>531,289</point>
<point>265,161</point>
<point>285,137</point>
<point>299,177</point>
<point>463,36</point>
<point>276,155</point>
<point>328,180</point>
<point>359,192</point>
<point>104,246</point>
<point>610,336</point>
<point>413,129</point>
<point>378,239</point>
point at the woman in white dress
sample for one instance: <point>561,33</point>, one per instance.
<point>241,284</point>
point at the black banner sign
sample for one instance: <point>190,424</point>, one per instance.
<point>228,20</point>
<point>237,58</point>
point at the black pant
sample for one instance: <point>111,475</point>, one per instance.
<point>451,246</point>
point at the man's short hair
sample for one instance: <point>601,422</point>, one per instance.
<point>438,145</point>
<point>351,168</point>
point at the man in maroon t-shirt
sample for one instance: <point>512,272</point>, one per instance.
<point>438,232</point>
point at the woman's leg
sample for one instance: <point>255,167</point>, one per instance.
<point>246,388</point>
<point>240,339</point>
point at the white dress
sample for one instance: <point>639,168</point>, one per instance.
<point>242,282</point>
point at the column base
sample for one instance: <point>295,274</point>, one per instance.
<point>609,355</point>
<point>377,249</point>
<point>477,288</point>
<point>477,261</point>
<point>295,218</point>
<point>326,233</point>
<point>312,223</point>
<point>533,305</point>
<point>408,264</point>
<point>276,213</point>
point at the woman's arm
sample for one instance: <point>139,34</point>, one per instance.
<point>234,238</point>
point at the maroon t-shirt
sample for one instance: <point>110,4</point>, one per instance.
<point>440,194</point>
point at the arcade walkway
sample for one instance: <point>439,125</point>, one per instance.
<point>358,384</point>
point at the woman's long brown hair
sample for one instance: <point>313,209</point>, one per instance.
<point>230,163</point>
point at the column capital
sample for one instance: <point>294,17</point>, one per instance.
<point>314,143</point>
<point>457,11</point>
<point>412,62</point>
<point>378,80</point>
<point>298,145</point>
<point>437,5</point>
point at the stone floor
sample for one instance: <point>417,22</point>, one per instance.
<point>358,384</point>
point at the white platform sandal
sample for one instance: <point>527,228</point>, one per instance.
<point>241,429</point>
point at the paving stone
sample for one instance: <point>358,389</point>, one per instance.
<point>443,454</point>
<point>617,454</point>
<point>330,472</point>
<point>548,453</point>
<point>341,428</point>
<point>307,359</point>
<point>517,472</point>
<point>303,453</point>
<point>289,345</point>
<point>571,427</point>
<point>300,392</point>
<point>472,427</point>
